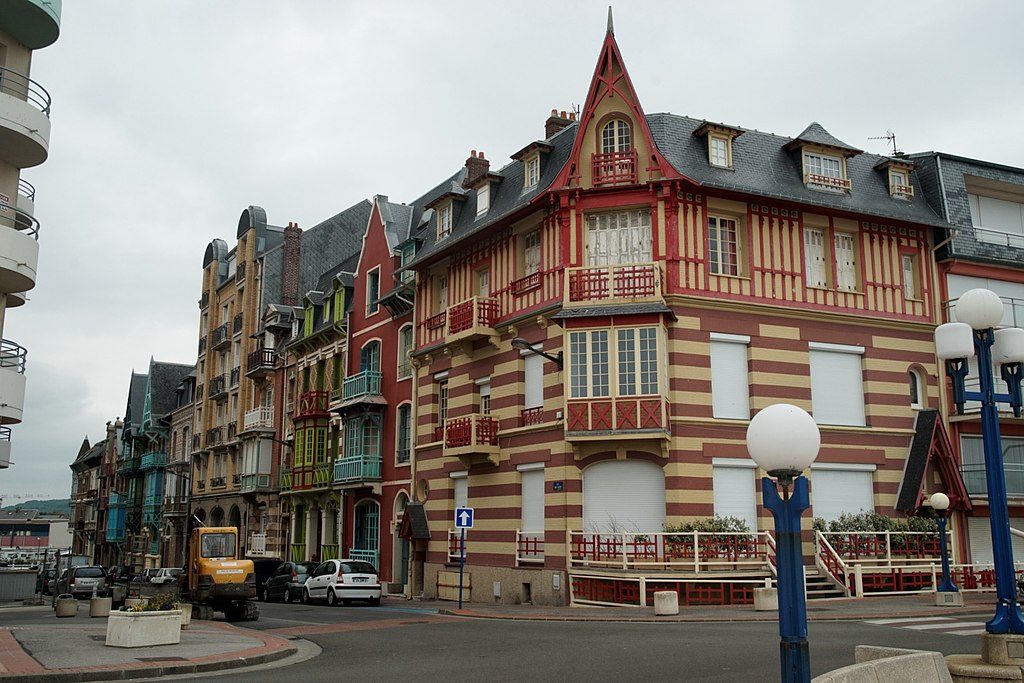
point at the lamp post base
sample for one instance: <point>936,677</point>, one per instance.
<point>796,661</point>
<point>1004,649</point>
<point>1007,621</point>
<point>949,599</point>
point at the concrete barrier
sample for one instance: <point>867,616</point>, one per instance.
<point>891,665</point>
<point>666,603</point>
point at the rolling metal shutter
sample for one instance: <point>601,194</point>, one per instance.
<point>980,534</point>
<point>533,366</point>
<point>834,492</point>
<point>729,382</point>
<point>735,494</point>
<point>624,495</point>
<point>532,514</point>
<point>837,388</point>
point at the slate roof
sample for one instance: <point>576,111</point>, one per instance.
<point>91,456</point>
<point>136,401</point>
<point>507,196</point>
<point>817,135</point>
<point>397,220</point>
<point>414,523</point>
<point>917,460</point>
<point>164,380</point>
<point>762,166</point>
<point>324,245</point>
<point>624,309</point>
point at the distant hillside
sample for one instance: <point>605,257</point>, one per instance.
<point>55,506</point>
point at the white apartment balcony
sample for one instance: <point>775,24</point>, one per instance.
<point>260,419</point>
<point>24,120</point>
<point>5,447</point>
<point>12,381</point>
<point>19,250</point>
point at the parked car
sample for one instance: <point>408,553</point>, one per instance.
<point>81,581</point>
<point>44,581</point>
<point>342,581</point>
<point>116,573</point>
<point>166,575</point>
<point>264,569</point>
<point>287,581</point>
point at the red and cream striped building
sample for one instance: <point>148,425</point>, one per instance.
<point>679,275</point>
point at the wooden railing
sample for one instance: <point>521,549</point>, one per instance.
<point>525,284</point>
<point>312,403</point>
<point>531,416</point>
<point>883,548</point>
<point>695,551</point>
<point>642,414</point>
<point>829,562</point>
<point>476,312</point>
<point>626,283</point>
<point>307,477</point>
<point>612,168</point>
<point>828,181</point>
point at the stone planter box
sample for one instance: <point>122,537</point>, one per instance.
<point>186,614</point>
<point>143,629</point>
<point>99,607</point>
<point>66,606</point>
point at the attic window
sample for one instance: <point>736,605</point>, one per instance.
<point>899,184</point>
<point>825,172</point>
<point>444,221</point>
<point>531,169</point>
<point>483,199</point>
<point>720,151</point>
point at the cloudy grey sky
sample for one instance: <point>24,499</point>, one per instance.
<point>170,117</point>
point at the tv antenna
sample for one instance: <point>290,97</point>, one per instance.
<point>891,137</point>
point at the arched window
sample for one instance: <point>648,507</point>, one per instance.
<point>918,389</point>
<point>616,136</point>
<point>369,357</point>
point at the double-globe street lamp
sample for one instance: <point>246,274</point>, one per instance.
<point>974,335</point>
<point>783,440</point>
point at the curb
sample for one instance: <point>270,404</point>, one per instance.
<point>769,618</point>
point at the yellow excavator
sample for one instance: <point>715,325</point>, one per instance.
<point>216,580</point>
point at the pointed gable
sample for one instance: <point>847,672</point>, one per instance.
<point>930,452</point>
<point>614,144</point>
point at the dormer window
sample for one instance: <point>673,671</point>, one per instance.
<point>483,199</point>
<point>824,171</point>
<point>531,168</point>
<point>719,151</point>
<point>899,184</point>
<point>444,221</point>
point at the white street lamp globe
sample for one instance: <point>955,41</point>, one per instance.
<point>1008,346</point>
<point>783,440</point>
<point>954,341</point>
<point>939,501</point>
<point>979,308</point>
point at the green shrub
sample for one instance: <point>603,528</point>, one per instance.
<point>714,524</point>
<point>158,603</point>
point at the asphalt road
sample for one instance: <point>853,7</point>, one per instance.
<point>391,643</point>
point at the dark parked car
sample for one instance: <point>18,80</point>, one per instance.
<point>287,581</point>
<point>82,581</point>
<point>264,570</point>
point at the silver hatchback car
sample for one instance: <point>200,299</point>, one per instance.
<point>81,581</point>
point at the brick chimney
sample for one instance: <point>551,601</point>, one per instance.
<point>476,168</point>
<point>290,270</point>
<point>557,121</point>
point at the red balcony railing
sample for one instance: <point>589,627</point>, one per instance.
<point>470,430</point>
<point>613,168</point>
<point>525,284</point>
<point>619,414</point>
<point>531,416</point>
<point>312,403</point>
<point>605,284</point>
<point>475,312</point>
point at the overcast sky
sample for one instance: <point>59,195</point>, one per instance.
<point>170,117</point>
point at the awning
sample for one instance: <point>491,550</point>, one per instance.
<point>930,445</point>
<point>414,523</point>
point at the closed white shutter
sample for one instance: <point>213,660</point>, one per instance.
<point>814,257</point>
<point>532,513</point>
<point>534,371</point>
<point>979,531</point>
<point>461,492</point>
<point>837,388</point>
<point>735,494</point>
<point>616,238</point>
<point>834,492</point>
<point>846,266</point>
<point>623,495</point>
<point>730,388</point>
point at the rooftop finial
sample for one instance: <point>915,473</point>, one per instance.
<point>611,24</point>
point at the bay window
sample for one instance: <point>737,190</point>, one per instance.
<point>634,357</point>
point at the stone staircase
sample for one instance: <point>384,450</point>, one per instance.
<point>820,586</point>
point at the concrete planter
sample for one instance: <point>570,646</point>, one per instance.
<point>666,603</point>
<point>99,607</point>
<point>144,629</point>
<point>186,614</point>
<point>766,599</point>
<point>131,602</point>
<point>66,606</point>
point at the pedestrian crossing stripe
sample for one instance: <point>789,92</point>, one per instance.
<point>944,625</point>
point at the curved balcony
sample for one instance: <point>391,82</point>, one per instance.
<point>5,447</point>
<point>12,381</point>
<point>19,250</point>
<point>33,23</point>
<point>15,299</point>
<point>24,120</point>
<point>26,197</point>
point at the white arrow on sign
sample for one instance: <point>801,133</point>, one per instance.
<point>464,518</point>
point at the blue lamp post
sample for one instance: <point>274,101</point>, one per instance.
<point>940,503</point>
<point>978,312</point>
<point>784,440</point>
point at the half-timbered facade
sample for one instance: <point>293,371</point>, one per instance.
<point>664,278</point>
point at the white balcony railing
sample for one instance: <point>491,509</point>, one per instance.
<point>257,545</point>
<point>259,418</point>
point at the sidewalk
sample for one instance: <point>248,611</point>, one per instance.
<point>36,646</point>
<point>817,610</point>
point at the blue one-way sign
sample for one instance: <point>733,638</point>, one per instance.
<point>463,518</point>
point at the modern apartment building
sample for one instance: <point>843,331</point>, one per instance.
<point>984,247</point>
<point>25,26</point>
<point>597,321</point>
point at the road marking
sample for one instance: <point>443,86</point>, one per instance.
<point>922,627</point>
<point>939,625</point>
<point>973,632</point>
<point>907,620</point>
